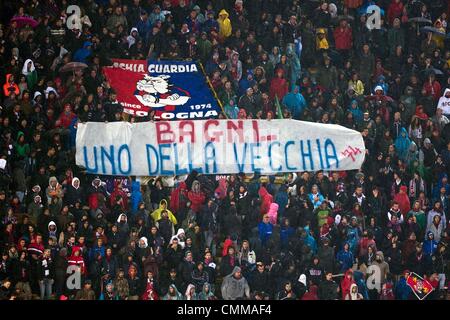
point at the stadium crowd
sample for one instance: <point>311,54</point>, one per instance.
<point>305,235</point>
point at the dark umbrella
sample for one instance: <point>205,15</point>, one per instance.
<point>25,21</point>
<point>432,30</point>
<point>345,17</point>
<point>73,66</point>
<point>432,70</point>
<point>420,20</point>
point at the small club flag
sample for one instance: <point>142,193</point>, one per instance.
<point>421,288</point>
<point>279,110</point>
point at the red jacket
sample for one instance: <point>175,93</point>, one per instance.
<point>66,119</point>
<point>178,197</point>
<point>278,87</point>
<point>197,199</point>
<point>10,87</point>
<point>395,11</point>
<point>311,294</point>
<point>149,293</point>
<point>403,201</point>
<point>118,192</point>
<point>346,283</point>
<point>343,38</point>
<point>434,89</point>
<point>266,200</point>
<point>77,261</point>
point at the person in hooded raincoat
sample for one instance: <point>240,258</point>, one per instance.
<point>224,22</point>
<point>402,144</point>
<point>173,294</point>
<point>157,214</point>
<point>295,103</point>
<point>29,71</point>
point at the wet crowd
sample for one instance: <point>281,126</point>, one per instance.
<point>352,235</point>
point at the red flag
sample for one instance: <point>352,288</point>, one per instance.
<point>421,287</point>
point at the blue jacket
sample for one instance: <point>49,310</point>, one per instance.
<point>265,232</point>
<point>318,203</point>
<point>144,28</point>
<point>357,112</point>
<point>353,238</point>
<point>210,24</point>
<point>362,288</point>
<point>136,196</point>
<point>94,250</point>
<point>295,103</point>
<point>73,132</point>
<point>345,259</point>
<point>282,200</point>
<point>310,241</point>
<point>402,290</point>
<point>402,144</point>
<point>285,234</point>
<point>82,54</point>
<point>429,246</point>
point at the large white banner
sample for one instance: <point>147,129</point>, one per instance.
<point>216,147</point>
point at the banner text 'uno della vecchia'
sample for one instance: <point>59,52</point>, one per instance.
<point>216,147</point>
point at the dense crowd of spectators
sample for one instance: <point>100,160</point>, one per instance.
<point>316,235</point>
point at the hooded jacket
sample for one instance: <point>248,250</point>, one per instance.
<point>136,195</point>
<point>196,197</point>
<point>233,288</point>
<point>179,197</point>
<point>132,40</point>
<point>383,265</point>
<point>273,213</point>
<point>74,194</point>
<point>31,75</point>
<point>353,295</point>
<point>345,258</point>
<point>429,245</point>
<point>53,233</point>
<point>156,215</point>
<point>444,103</point>
<point>176,296</point>
<point>22,149</point>
<point>53,191</point>
<point>224,22</point>
<point>403,201</point>
<point>347,282</point>
<point>119,192</point>
<point>402,144</point>
<point>278,86</point>
<point>295,103</point>
<point>77,261</point>
<point>266,200</point>
<point>8,87</point>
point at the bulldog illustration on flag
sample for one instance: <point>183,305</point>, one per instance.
<point>156,92</point>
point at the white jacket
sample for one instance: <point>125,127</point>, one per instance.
<point>444,103</point>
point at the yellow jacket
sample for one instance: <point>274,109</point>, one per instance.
<point>322,44</point>
<point>358,86</point>
<point>156,215</point>
<point>224,24</point>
